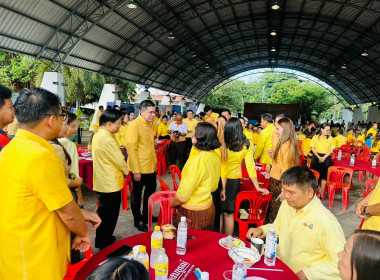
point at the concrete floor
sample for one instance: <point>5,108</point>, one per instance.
<point>125,227</point>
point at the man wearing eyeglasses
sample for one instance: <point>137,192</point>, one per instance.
<point>37,210</point>
<point>7,114</point>
<point>142,162</point>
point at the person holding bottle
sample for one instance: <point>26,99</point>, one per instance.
<point>200,177</point>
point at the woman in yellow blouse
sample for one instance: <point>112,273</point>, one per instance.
<point>305,146</point>
<point>121,135</point>
<point>162,129</point>
<point>285,156</point>
<point>375,145</point>
<point>200,177</point>
<point>238,148</point>
<point>322,146</point>
<point>373,129</point>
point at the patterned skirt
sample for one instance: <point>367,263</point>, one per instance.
<point>275,188</point>
<point>198,219</point>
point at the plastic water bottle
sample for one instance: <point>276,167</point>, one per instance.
<point>239,271</point>
<point>155,245</point>
<point>182,236</point>
<point>143,257</point>
<point>374,163</point>
<point>352,160</point>
<point>340,155</point>
<point>270,247</point>
<point>161,266</point>
<point>205,276</point>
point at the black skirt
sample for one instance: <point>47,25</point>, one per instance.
<point>232,190</point>
<point>321,167</point>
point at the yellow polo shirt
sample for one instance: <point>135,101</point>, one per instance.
<point>350,137</point>
<point>373,222</point>
<point>191,125</point>
<point>109,163</point>
<point>373,131</point>
<point>34,242</point>
<point>200,177</point>
<point>162,129</point>
<point>305,146</point>
<point>264,144</point>
<point>232,168</point>
<point>375,149</point>
<point>309,240</point>
<point>361,138</point>
<point>255,138</point>
<point>340,140</point>
<point>140,147</point>
<point>322,145</point>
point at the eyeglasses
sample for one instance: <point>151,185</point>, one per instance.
<point>63,115</point>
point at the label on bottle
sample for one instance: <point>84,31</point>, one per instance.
<point>146,264</point>
<point>156,243</point>
<point>182,239</point>
<point>161,269</point>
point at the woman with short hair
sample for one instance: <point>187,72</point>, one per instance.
<point>200,177</point>
<point>360,259</point>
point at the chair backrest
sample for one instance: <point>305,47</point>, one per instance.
<point>337,175</point>
<point>259,166</point>
<point>256,201</point>
<point>366,150</point>
<point>346,146</point>
<point>367,157</point>
<point>308,162</point>
<point>316,174</point>
<point>175,170</point>
<point>163,199</point>
<point>370,185</point>
<point>159,153</point>
<point>163,185</point>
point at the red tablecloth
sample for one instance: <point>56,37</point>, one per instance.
<point>86,172</point>
<point>204,252</point>
<point>360,165</point>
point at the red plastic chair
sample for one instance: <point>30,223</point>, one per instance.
<point>366,157</point>
<point>256,202</point>
<point>72,269</point>
<point>316,174</point>
<point>347,146</point>
<point>175,170</point>
<point>166,211</point>
<point>124,191</point>
<point>163,185</point>
<point>366,150</point>
<point>336,179</point>
<point>159,155</point>
<point>370,185</point>
<point>165,155</point>
<point>260,166</point>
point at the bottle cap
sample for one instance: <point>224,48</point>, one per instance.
<point>162,250</point>
<point>272,229</point>
<point>240,259</point>
<point>142,249</point>
<point>183,219</point>
<point>205,276</point>
<point>157,228</point>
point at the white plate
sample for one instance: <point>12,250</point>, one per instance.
<point>222,242</point>
<point>246,253</point>
<point>255,278</point>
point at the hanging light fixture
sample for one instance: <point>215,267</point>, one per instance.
<point>343,66</point>
<point>207,66</point>
<point>332,75</point>
<point>171,36</point>
<point>132,5</point>
<point>364,53</point>
<point>273,33</point>
<point>273,49</point>
<point>193,55</point>
<point>273,61</point>
<point>275,6</point>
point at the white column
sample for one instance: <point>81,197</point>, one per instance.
<point>347,116</point>
<point>358,115</point>
<point>53,81</point>
<point>108,95</point>
<point>373,114</point>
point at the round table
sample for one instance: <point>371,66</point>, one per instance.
<point>360,165</point>
<point>204,253</point>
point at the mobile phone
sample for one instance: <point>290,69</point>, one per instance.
<point>123,250</point>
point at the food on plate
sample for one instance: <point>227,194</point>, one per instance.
<point>168,231</point>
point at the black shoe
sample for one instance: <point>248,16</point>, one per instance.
<point>113,238</point>
<point>141,226</point>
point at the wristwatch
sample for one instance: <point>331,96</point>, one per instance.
<point>365,213</point>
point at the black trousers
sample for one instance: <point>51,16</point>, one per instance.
<point>216,200</point>
<point>108,211</point>
<point>189,144</point>
<point>149,182</point>
<point>178,150</point>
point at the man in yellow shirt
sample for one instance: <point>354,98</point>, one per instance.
<point>191,125</point>
<point>226,113</point>
<point>37,210</point>
<point>255,135</point>
<point>142,162</point>
<point>310,237</point>
<point>109,170</point>
<point>99,113</point>
<point>340,140</point>
<point>369,209</point>
<point>265,140</point>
